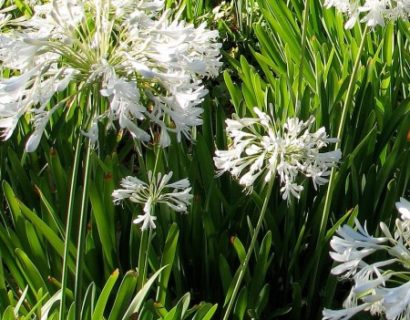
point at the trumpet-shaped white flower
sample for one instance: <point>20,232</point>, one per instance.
<point>396,301</point>
<point>403,206</point>
<point>147,221</point>
<point>378,287</point>
<point>175,195</point>
<point>373,12</point>
<point>132,54</point>
<point>40,121</point>
<point>258,149</point>
<point>344,314</point>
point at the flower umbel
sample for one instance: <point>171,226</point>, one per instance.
<point>175,195</point>
<point>378,286</point>
<point>148,65</point>
<point>259,148</point>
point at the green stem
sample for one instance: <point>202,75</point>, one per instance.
<point>345,110</point>
<point>245,263</point>
<point>142,258</point>
<point>81,234</point>
<point>70,211</point>
<point>332,179</point>
<point>157,151</point>
<point>302,57</point>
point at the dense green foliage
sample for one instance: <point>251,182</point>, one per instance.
<point>193,258</point>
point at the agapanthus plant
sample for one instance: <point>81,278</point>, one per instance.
<point>371,12</point>
<point>158,190</point>
<point>380,285</point>
<point>260,147</point>
<point>148,66</point>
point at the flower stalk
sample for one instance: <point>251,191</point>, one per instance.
<point>175,195</point>
<point>143,257</point>
<point>346,107</point>
<point>302,57</point>
<point>245,263</point>
<point>82,233</point>
<point>69,222</point>
<point>332,179</point>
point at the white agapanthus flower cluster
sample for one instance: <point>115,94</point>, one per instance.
<point>371,12</point>
<point>261,148</point>
<point>379,287</point>
<point>148,65</point>
<point>158,190</point>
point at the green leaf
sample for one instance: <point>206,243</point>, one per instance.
<point>236,95</point>
<point>124,295</point>
<point>179,310</point>
<point>137,302</point>
<point>105,225</point>
<point>30,271</point>
<point>210,313</point>
<point>105,294</point>
<point>225,273</point>
<point>239,248</point>
<point>48,233</point>
<point>168,257</point>
<point>241,304</point>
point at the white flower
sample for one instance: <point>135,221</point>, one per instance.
<point>381,290</point>
<point>258,149</point>
<point>128,6</point>
<point>341,5</point>
<point>175,195</point>
<point>125,105</point>
<point>131,54</point>
<point>41,119</point>
<point>92,133</point>
<point>396,301</point>
<point>147,221</point>
<point>351,247</point>
<point>376,11</point>
<point>403,206</point>
<point>181,108</point>
<point>343,314</point>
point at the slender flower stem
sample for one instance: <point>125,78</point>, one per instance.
<point>245,263</point>
<point>346,107</point>
<point>302,57</point>
<point>81,233</point>
<point>142,258</point>
<point>330,187</point>
<point>68,227</point>
<point>157,150</point>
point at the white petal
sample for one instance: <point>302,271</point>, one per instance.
<point>403,206</point>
